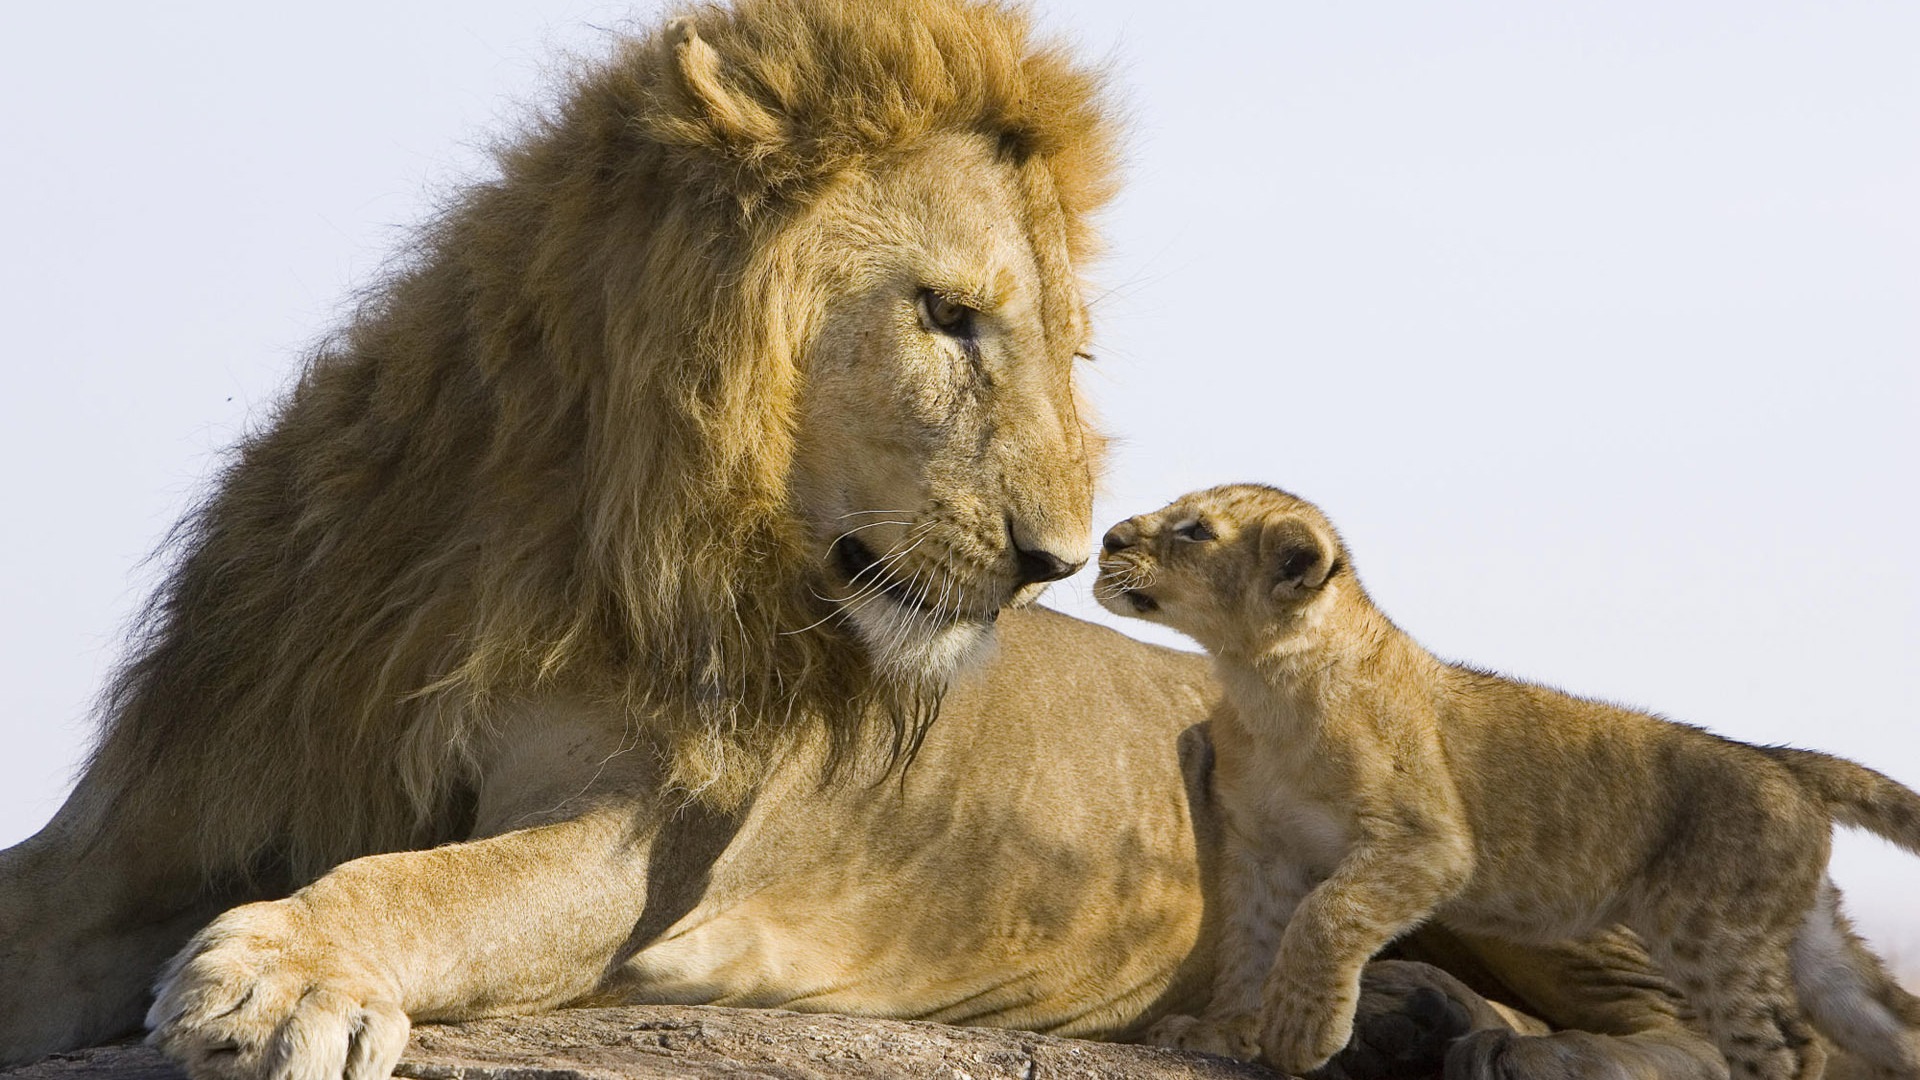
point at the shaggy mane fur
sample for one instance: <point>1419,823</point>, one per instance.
<point>549,456</point>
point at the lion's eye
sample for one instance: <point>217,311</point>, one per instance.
<point>945,315</point>
<point>1194,531</point>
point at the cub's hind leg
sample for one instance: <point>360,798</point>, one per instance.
<point>1611,1013</point>
<point>1741,989</point>
<point>1848,994</point>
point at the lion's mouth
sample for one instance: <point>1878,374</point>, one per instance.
<point>861,567</point>
<point>1141,602</point>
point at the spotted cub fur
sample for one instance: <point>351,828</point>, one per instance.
<point>1369,786</point>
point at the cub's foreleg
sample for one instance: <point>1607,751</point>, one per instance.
<point>1388,883</point>
<point>1256,898</point>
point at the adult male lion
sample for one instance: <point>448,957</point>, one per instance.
<point>631,539</point>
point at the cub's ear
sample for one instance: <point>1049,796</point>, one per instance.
<point>728,111</point>
<point>1296,557</point>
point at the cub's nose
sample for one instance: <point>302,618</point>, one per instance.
<point>1121,536</point>
<point>1035,565</point>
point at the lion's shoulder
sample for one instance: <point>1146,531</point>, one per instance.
<point>1041,630</point>
<point>1048,661</point>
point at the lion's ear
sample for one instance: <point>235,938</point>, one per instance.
<point>731,113</point>
<point>1296,557</point>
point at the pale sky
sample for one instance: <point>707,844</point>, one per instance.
<point>1593,325</point>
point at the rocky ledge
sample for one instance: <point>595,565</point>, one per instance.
<point>705,1043</point>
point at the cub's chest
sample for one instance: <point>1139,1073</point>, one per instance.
<point>1281,824</point>
<point>1285,798</point>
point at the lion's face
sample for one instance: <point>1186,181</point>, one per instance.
<point>942,467</point>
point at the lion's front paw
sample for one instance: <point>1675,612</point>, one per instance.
<point>1234,1036</point>
<point>1303,1030</point>
<point>1408,1015</point>
<point>253,996</point>
<point>1493,1054</point>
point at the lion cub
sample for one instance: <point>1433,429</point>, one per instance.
<point>1368,786</point>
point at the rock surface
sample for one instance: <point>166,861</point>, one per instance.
<point>659,1042</point>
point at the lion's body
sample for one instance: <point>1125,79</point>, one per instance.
<point>973,889</point>
<point>622,547</point>
<point>1071,907</point>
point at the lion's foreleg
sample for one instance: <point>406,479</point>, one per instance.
<point>1409,1015</point>
<point>326,981</point>
<point>531,915</point>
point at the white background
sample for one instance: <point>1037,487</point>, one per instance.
<point>1593,324</point>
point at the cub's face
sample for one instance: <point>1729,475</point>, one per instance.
<point>1220,565</point>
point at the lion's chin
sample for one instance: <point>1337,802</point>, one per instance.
<point>909,651</point>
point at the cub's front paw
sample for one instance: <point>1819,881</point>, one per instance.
<point>1233,1036</point>
<point>255,996</point>
<point>1303,1030</point>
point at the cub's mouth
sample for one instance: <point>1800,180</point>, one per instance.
<point>1111,588</point>
<point>861,568</point>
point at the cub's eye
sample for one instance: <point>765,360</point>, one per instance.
<point>946,316</point>
<point>1194,532</point>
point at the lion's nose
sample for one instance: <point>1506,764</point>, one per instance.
<point>1032,566</point>
<point>1121,536</point>
<point>1037,559</point>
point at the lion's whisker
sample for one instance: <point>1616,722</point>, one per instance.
<point>848,604</point>
<point>881,564</point>
<point>900,627</point>
<point>869,589</point>
<point>828,617</point>
<point>921,617</point>
<point>917,531</point>
<point>940,605</point>
<point>871,524</point>
<point>893,555</point>
<point>922,613</point>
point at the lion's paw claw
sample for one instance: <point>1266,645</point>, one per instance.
<point>244,1001</point>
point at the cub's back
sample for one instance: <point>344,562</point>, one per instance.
<point>1603,794</point>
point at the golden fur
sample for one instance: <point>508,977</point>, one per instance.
<point>709,437</point>
<point>491,483</point>
<point>1371,787</point>
<point>599,447</point>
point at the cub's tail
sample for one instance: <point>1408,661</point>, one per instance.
<point>1855,794</point>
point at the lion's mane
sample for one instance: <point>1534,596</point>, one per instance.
<point>548,455</point>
